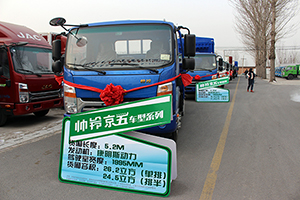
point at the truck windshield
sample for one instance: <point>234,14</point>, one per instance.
<point>120,47</point>
<point>32,60</point>
<point>205,62</point>
<point>288,68</point>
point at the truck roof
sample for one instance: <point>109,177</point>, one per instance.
<point>11,33</point>
<point>122,22</point>
<point>205,45</point>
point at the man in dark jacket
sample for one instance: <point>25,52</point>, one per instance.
<point>251,77</point>
<point>246,73</point>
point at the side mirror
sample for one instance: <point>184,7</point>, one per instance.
<point>188,64</point>
<point>59,21</point>
<point>189,45</point>
<point>56,50</point>
<point>81,42</point>
<point>1,71</point>
<point>220,61</point>
<point>57,67</point>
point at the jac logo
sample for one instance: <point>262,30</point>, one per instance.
<point>28,36</point>
<point>145,80</point>
<point>47,87</point>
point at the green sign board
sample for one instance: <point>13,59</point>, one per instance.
<point>213,95</point>
<point>212,83</point>
<point>113,160</point>
<point>207,91</point>
<point>121,118</point>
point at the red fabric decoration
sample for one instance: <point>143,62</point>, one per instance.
<point>197,77</point>
<point>186,79</point>
<point>83,87</point>
<point>59,79</point>
<point>112,95</point>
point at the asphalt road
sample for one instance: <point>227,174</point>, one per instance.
<point>245,149</point>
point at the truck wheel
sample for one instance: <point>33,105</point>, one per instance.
<point>41,113</point>
<point>182,105</point>
<point>3,118</point>
<point>290,77</point>
<point>174,135</point>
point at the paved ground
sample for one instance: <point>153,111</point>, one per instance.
<point>259,158</point>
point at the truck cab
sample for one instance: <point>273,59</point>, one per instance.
<point>27,83</point>
<point>140,55</point>
<point>222,72</point>
<point>205,63</point>
<point>290,71</point>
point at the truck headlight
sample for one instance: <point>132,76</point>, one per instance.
<point>23,93</point>
<point>70,99</point>
<point>164,89</point>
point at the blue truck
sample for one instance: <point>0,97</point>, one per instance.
<point>139,55</point>
<point>205,63</point>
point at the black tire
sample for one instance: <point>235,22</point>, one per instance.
<point>3,118</point>
<point>41,113</point>
<point>182,105</point>
<point>174,135</point>
<point>290,77</point>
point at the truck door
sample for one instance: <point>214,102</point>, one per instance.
<point>4,75</point>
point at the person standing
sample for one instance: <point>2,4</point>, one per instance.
<point>246,73</point>
<point>251,77</point>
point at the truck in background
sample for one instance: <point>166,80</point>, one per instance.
<point>27,83</point>
<point>235,69</point>
<point>231,68</point>
<point>278,70</point>
<point>222,72</point>
<point>50,37</point>
<point>288,71</point>
<point>205,63</point>
<point>139,56</point>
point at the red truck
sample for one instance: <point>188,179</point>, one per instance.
<point>27,83</point>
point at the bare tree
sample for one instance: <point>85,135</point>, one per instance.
<point>253,23</point>
<point>273,34</point>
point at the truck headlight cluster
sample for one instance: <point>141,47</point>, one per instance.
<point>70,102</point>
<point>164,89</point>
<point>23,93</point>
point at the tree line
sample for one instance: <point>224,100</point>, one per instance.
<point>260,24</point>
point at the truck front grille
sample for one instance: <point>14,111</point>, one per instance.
<point>44,95</point>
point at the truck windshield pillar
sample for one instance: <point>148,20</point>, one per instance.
<point>4,66</point>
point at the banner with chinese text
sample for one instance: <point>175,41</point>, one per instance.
<point>121,118</point>
<point>212,83</point>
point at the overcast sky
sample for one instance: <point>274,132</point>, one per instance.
<point>206,18</point>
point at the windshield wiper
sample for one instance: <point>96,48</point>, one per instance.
<point>86,66</point>
<point>203,69</point>
<point>31,72</point>
<point>137,65</point>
